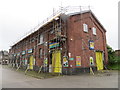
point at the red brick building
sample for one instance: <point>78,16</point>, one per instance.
<point>68,44</point>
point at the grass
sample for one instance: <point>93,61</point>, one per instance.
<point>41,75</point>
<point>114,66</point>
<point>33,73</point>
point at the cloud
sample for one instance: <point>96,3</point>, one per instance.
<point>19,16</point>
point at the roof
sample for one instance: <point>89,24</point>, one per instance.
<point>45,22</point>
<point>88,11</point>
<point>57,15</point>
<point>76,13</point>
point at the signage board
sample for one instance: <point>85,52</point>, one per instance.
<point>30,50</point>
<point>91,45</point>
<point>53,45</point>
<point>78,61</point>
<point>23,52</point>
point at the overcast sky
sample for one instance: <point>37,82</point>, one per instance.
<point>20,16</point>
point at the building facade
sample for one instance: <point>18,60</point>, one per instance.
<point>68,44</point>
<point>117,52</point>
<point>4,57</point>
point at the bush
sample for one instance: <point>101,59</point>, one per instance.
<point>111,55</point>
<point>117,59</point>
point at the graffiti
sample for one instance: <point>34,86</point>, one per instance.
<point>91,61</point>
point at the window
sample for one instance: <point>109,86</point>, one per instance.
<point>94,30</point>
<point>40,52</point>
<point>52,31</point>
<point>41,39</point>
<point>85,27</point>
<point>32,40</point>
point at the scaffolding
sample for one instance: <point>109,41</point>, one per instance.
<point>62,10</point>
<point>58,30</point>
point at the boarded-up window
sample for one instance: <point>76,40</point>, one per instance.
<point>85,27</point>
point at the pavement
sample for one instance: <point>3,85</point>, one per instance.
<point>15,79</point>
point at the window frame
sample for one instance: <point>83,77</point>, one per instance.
<point>94,30</point>
<point>85,27</point>
<point>41,41</point>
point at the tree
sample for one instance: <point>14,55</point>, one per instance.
<point>111,55</point>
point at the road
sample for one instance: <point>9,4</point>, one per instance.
<point>14,79</point>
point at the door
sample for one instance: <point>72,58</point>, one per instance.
<point>56,62</point>
<point>99,60</point>
<point>31,62</point>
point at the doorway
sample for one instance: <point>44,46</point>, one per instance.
<point>56,61</point>
<point>99,60</point>
<point>31,63</point>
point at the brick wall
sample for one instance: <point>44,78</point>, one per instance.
<point>79,40</point>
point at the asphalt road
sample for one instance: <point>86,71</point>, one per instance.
<point>13,79</point>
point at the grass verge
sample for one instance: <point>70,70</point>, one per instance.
<point>41,75</point>
<point>114,66</point>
